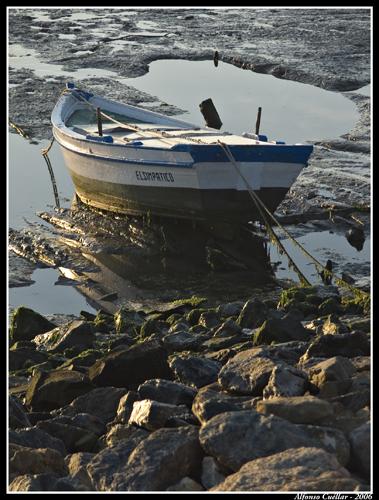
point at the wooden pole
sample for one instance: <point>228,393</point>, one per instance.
<point>210,114</point>
<point>258,122</point>
<point>99,122</point>
<point>215,58</point>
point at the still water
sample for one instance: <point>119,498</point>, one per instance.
<point>292,112</point>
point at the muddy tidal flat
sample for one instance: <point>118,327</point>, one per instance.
<point>151,355</point>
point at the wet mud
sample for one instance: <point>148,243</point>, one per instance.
<point>98,49</point>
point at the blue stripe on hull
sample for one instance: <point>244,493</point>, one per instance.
<point>257,153</point>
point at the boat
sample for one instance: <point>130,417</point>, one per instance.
<point>136,161</point>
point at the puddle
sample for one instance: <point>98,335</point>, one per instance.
<point>291,111</point>
<point>323,245</point>
<point>47,298</point>
<point>20,57</point>
<point>29,185</point>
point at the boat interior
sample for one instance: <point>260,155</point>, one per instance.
<point>133,131</point>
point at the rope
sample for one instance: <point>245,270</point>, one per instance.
<point>19,130</point>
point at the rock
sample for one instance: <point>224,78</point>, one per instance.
<point>234,438</point>
<point>104,465</point>
<point>209,319</point>
<point>211,473</point>
<point>74,438</point>
<point>287,352</point>
<point>330,306</point>
<point>210,401</point>
<point>298,410</point>
<point>167,391</point>
<point>18,418</point>
<point>286,329</point>
<point>77,467</point>
<point>218,343</point>
<point>227,329</point>
<point>78,334</point>
<point>26,324</point>
<point>101,402</point>
<point>182,341</point>
<point>37,461</point>
<point>360,441</point>
<point>246,373</point>
<point>332,326</point>
<point>117,433</point>
<point>353,401</point>
<point>332,376</point>
<point>131,367</point>
<point>348,345</point>
<point>47,391</point>
<point>126,321</point>
<point>253,314</point>
<point>286,381</point>
<point>194,370</point>
<point>25,358</point>
<point>230,309</point>
<point>222,356</point>
<point>330,439</point>
<point>186,484</point>
<point>152,326</point>
<point>153,415</point>
<point>160,460</point>
<point>41,482</point>
<point>36,438</point>
<point>300,469</point>
<point>362,363</point>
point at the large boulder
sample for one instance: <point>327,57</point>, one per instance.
<point>161,460</point>
<point>36,438</point>
<point>78,334</point>
<point>167,391</point>
<point>300,469</point>
<point>101,402</point>
<point>298,410</point>
<point>37,461</point>
<point>234,438</point>
<point>26,324</point>
<point>246,373</point>
<point>130,367</point>
<point>195,371</point>
<point>58,388</point>
<point>125,407</point>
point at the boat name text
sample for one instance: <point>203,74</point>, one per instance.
<point>154,176</point>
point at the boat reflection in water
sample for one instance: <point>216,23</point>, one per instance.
<point>174,260</point>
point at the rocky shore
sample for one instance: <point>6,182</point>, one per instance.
<point>271,394</point>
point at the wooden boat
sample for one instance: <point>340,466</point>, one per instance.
<point>148,162</point>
